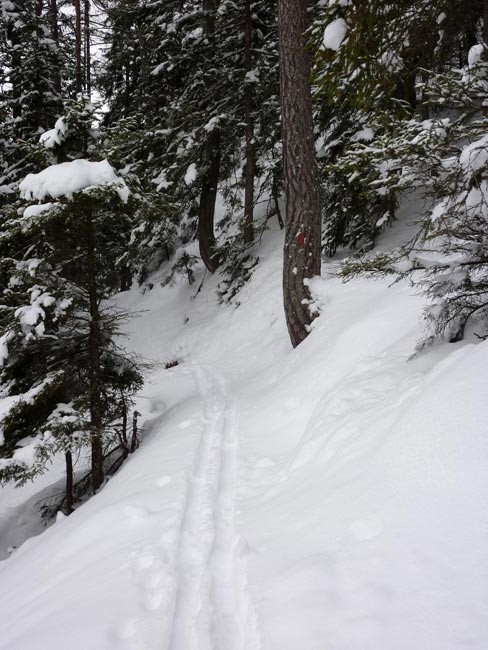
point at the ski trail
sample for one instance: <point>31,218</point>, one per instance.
<point>234,623</point>
<point>212,605</point>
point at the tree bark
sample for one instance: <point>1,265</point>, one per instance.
<point>276,199</point>
<point>16,65</point>
<point>208,195</point>
<point>485,29</point>
<point>250,166</point>
<point>303,217</point>
<point>69,483</point>
<point>53,16</point>
<point>78,49</point>
<point>94,344</point>
<point>87,45</point>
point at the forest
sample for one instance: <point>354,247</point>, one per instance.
<point>295,181</point>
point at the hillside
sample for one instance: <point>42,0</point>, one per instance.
<point>331,497</point>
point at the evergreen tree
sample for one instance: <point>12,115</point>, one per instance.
<point>373,61</point>
<point>31,63</point>
<point>187,91</point>
<point>68,380</point>
<point>445,156</point>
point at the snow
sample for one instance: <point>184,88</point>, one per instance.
<point>32,315</point>
<point>475,155</point>
<point>364,135</point>
<point>391,61</point>
<point>475,54</point>
<point>191,174</point>
<point>214,122</point>
<point>334,34</point>
<point>328,497</point>
<point>56,136</point>
<point>252,76</point>
<point>25,455</point>
<point>37,209</point>
<point>4,339</point>
<point>67,178</point>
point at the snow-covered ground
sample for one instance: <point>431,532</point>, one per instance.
<point>332,497</point>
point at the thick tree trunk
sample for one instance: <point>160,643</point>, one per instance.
<point>208,197</point>
<point>94,343</point>
<point>250,167</point>
<point>303,218</point>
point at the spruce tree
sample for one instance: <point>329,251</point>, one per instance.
<point>69,382</point>
<point>185,95</point>
<point>436,145</point>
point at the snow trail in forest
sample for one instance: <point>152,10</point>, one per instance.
<point>212,606</point>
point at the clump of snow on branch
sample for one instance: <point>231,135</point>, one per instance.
<point>67,178</point>
<point>334,34</point>
<point>191,174</point>
<point>56,136</point>
<point>37,209</point>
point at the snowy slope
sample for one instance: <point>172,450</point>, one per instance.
<point>333,497</point>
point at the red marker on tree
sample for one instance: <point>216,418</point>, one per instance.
<point>301,239</point>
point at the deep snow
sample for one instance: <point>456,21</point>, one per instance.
<point>332,497</point>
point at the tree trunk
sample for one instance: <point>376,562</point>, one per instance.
<point>135,433</point>
<point>485,29</point>
<point>94,344</point>
<point>69,483</point>
<point>16,66</point>
<point>250,167</point>
<point>53,16</point>
<point>78,49</point>
<point>208,196</point>
<point>303,218</point>
<point>276,199</point>
<point>87,48</point>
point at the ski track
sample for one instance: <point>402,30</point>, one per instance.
<point>206,603</point>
